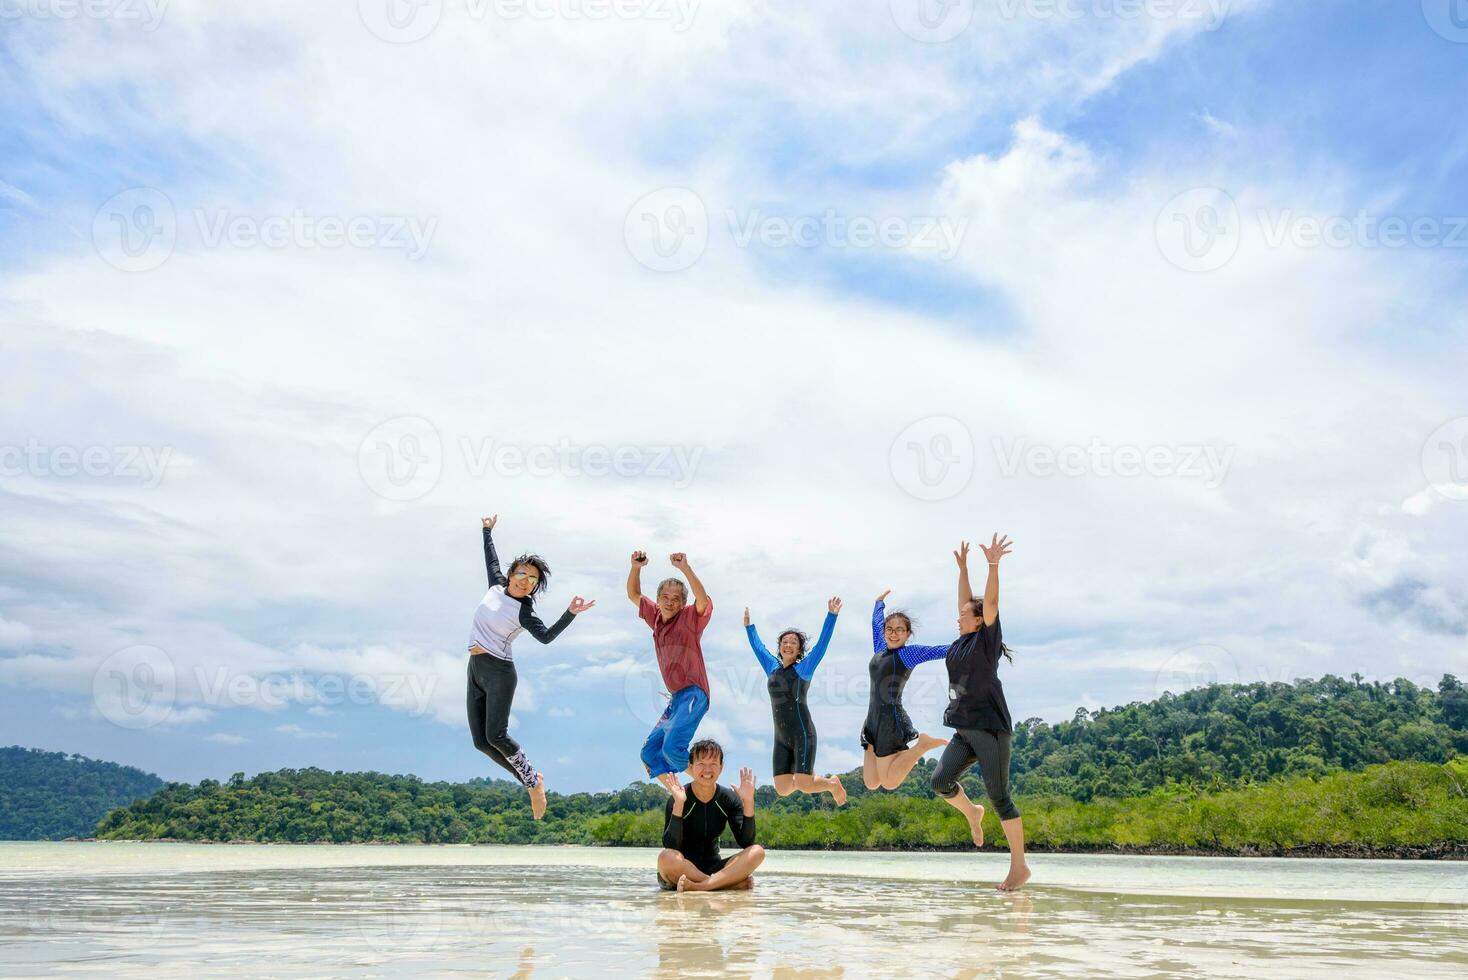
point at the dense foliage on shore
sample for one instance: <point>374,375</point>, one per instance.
<point>52,795</point>
<point>1228,768</point>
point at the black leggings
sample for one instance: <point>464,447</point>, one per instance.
<point>491,689</point>
<point>991,751</point>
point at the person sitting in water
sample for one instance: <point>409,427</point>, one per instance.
<point>694,818</point>
<point>789,677</point>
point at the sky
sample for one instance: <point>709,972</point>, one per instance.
<point>1172,292</point>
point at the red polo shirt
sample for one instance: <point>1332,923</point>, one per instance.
<point>680,656</point>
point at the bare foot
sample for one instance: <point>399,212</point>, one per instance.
<point>1015,881</point>
<point>687,884</point>
<point>928,743</point>
<point>741,885</point>
<point>975,818</point>
<point>537,797</point>
<point>838,792</point>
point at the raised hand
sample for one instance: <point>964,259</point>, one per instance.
<point>884,595</point>
<point>676,790</point>
<point>679,561</point>
<point>961,555</point>
<point>639,558</point>
<point>996,550</point>
<point>834,606</point>
<point>746,788</point>
<point>489,521</point>
<point>746,615</point>
<point>579,605</point>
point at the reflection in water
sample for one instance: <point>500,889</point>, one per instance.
<point>596,921</point>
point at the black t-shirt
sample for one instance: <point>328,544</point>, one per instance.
<point>975,696</point>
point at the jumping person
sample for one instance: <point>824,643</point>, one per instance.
<point>979,714</point>
<point>888,731</point>
<point>676,630</point>
<point>694,818</point>
<point>789,683</point>
<point>506,611</point>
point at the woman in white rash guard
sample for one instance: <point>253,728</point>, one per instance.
<point>506,611</point>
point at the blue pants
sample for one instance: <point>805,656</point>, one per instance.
<point>666,748</point>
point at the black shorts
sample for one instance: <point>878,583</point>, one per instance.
<point>707,867</point>
<point>797,756</point>
<point>894,733</point>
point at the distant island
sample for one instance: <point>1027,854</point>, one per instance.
<point>1328,767</point>
<point>52,795</point>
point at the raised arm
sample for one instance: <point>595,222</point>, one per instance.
<point>738,807</point>
<point>700,597</point>
<point>914,654</point>
<point>673,823</point>
<point>812,660</point>
<point>965,593</point>
<point>634,577</point>
<point>763,655</point>
<point>997,549</point>
<point>492,560</point>
<point>879,623</point>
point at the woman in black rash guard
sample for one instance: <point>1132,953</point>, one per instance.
<point>506,611</point>
<point>979,714</point>
<point>695,817</point>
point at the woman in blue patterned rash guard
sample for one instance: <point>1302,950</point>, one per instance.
<point>789,677</point>
<point>506,611</point>
<point>888,731</point>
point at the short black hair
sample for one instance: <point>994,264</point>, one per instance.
<point>706,746</point>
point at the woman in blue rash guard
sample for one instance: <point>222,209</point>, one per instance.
<point>506,611</point>
<point>888,731</point>
<point>789,677</point>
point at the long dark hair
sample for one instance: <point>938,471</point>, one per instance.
<point>538,563</point>
<point>977,605</point>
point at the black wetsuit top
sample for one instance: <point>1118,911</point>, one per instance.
<point>696,834</point>
<point>975,696</point>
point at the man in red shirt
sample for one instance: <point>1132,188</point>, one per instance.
<point>676,630</point>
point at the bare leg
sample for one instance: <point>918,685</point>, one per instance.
<point>972,812</point>
<point>537,797</point>
<point>818,784</point>
<point>903,761</point>
<point>786,784</point>
<point>873,769</point>
<point>739,868</point>
<point>672,865</point>
<point>1019,872</point>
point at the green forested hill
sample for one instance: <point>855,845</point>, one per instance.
<point>1228,768</point>
<point>52,795</point>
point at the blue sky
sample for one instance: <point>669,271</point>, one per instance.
<point>242,530</point>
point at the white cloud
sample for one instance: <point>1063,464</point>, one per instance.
<point>296,731</point>
<point>225,738</point>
